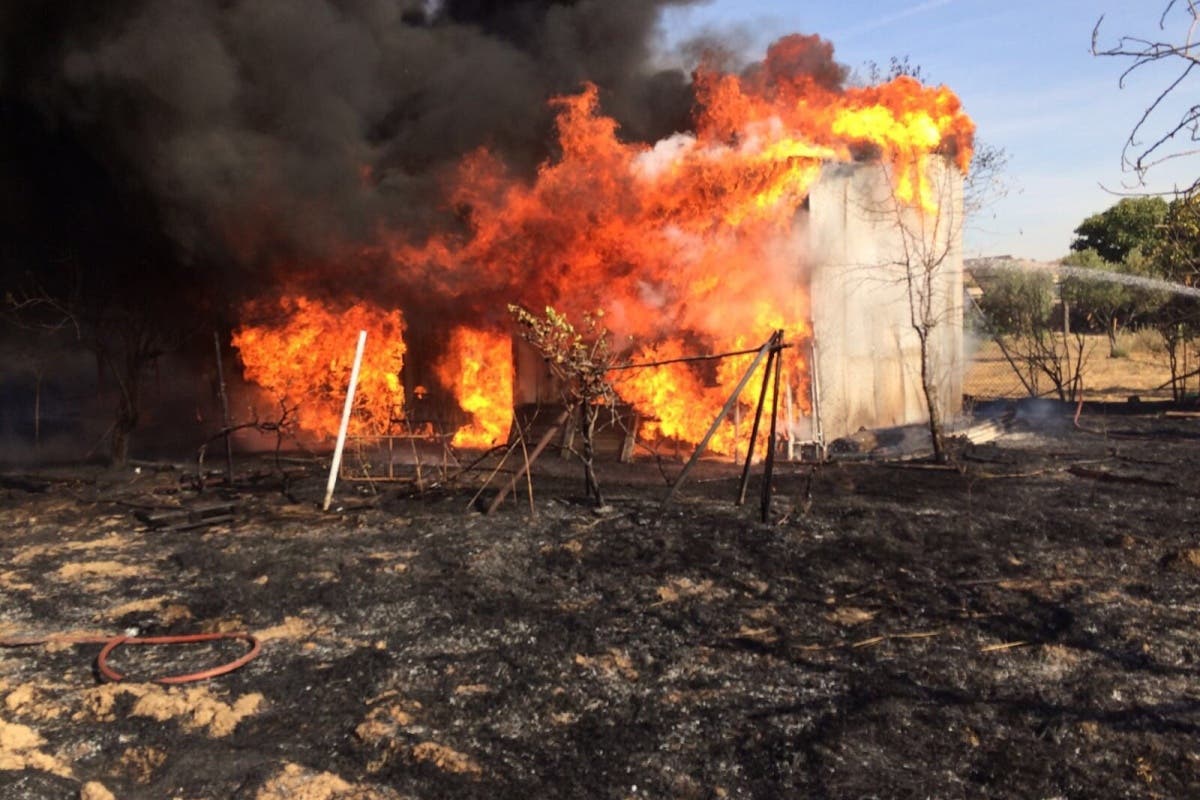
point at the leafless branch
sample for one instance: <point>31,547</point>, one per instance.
<point>1136,155</point>
<point>283,426</point>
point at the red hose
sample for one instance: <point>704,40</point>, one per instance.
<point>113,642</point>
<point>188,677</point>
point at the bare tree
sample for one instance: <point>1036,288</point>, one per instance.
<point>896,277</point>
<point>126,333</point>
<point>1177,49</point>
<point>1019,308</point>
<point>1060,355</point>
<point>580,362</point>
<point>282,427</point>
<point>927,255</point>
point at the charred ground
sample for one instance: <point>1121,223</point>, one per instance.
<point>1021,625</point>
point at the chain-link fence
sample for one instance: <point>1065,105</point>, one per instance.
<point>1133,364</point>
<point>990,372</point>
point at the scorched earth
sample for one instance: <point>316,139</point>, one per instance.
<point>1020,624</point>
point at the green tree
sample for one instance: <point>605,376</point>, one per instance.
<point>1106,304</point>
<point>1019,307</point>
<point>1126,238</point>
<point>1115,232</point>
<point>1177,246</point>
<point>1017,301</point>
<point>1178,323</point>
<point>1176,258</point>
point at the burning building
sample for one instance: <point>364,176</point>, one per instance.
<point>863,265</point>
<point>792,206</point>
<point>319,168</point>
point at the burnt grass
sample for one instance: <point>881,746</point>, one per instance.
<point>1020,625</point>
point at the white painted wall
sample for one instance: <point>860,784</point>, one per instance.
<point>868,352</point>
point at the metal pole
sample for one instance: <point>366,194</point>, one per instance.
<point>762,352</point>
<point>814,387</point>
<point>224,409</point>
<point>532,457</point>
<point>762,401</point>
<point>37,409</point>
<point>341,439</point>
<point>769,467</point>
<point>737,430</point>
<point>791,421</point>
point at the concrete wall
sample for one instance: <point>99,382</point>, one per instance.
<point>862,249</point>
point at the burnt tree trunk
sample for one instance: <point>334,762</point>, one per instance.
<point>589,412</point>
<point>128,410</point>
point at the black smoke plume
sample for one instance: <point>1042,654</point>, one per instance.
<point>216,138</point>
<point>164,161</point>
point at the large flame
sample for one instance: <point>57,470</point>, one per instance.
<point>688,245</point>
<point>478,368</point>
<point>304,355</point>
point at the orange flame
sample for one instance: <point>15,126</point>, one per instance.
<point>304,358</point>
<point>478,367</point>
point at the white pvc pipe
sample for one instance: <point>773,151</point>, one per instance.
<point>341,440</point>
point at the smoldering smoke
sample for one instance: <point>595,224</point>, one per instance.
<point>247,129</point>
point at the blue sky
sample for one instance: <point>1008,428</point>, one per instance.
<point>1025,73</point>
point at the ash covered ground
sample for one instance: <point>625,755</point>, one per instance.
<point>1022,624</point>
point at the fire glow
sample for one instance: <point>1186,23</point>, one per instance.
<point>306,359</point>
<point>687,245</point>
<point>478,368</point>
